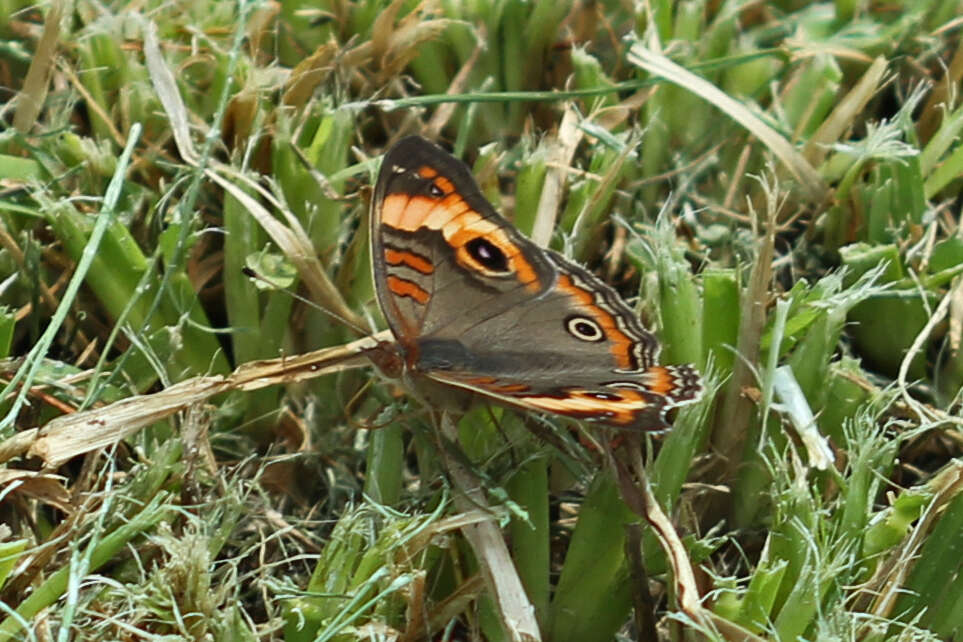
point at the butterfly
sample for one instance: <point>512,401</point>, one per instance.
<point>474,304</point>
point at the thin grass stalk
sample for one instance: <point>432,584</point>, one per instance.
<point>25,375</point>
<point>176,111</point>
<point>736,421</point>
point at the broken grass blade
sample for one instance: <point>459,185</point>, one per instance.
<point>793,403</point>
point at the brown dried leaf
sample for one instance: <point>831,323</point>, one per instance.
<point>308,74</point>
<point>559,159</point>
<point>34,92</point>
<point>44,487</point>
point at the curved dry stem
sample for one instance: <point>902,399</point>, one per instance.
<point>71,435</point>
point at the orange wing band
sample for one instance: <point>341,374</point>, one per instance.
<point>404,288</point>
<point>410,259</point>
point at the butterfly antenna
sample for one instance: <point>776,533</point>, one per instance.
<point>251,274</point>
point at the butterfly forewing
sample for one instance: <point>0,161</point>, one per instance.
<point>442,256</point>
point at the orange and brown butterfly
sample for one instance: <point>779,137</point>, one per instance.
<point>475,304</point>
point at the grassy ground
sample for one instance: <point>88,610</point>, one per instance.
<point>776,185</point>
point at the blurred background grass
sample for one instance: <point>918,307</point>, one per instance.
<point>776,185</point>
